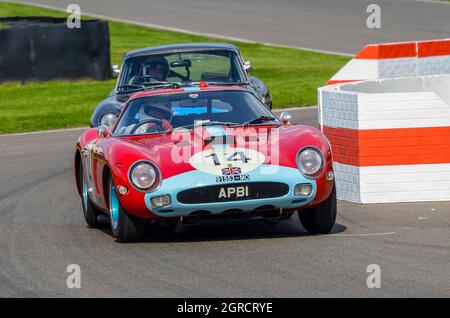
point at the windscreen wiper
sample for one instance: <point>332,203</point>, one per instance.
<point>229,83</point>
<point>128,88</point>
<point>258,120</point>
<point>160,83</point>
<point>209,123</point>
<point>218,83</point>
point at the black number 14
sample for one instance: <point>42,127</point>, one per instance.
<point>237,156</point>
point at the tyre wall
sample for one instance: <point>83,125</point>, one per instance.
<point>42,49</point>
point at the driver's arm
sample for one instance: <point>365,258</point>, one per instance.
<point>147,127</point>
<point>134,80</point>
<point>126,130</point>
<point>166,125</point>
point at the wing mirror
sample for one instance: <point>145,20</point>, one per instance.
<point>285,118</point>
<point>248,66</point>
<point>183,63</point>
<point>115,71</point>
<point>102,131</point>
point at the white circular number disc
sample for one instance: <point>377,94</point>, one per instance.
<point>240,160</point>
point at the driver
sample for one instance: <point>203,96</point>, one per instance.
<point>156,69</point>
<point>158,115</point>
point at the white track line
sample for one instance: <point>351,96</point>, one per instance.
<point>167,28</point>
<point>41,132</point>
<point>433,1</point>
<point>293,109</point>
<point>363,234</point>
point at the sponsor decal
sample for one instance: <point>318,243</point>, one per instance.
<point>240,177</point>
<point>230,170</point>
<point>227,161</point>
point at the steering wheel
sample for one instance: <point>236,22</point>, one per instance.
<point>157,122</point>
<point>140,79</point>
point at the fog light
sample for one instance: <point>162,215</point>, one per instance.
<point>303,190</point>
<point>122,190</point>
<point>161,201</point>
<point>330,175</point>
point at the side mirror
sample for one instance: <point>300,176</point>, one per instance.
<point>102,131</point>
<point>285,118</point>
<point>115,71</point>
<point>248,66</point>
<point>183,63</point>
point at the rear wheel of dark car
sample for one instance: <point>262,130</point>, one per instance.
<point>89,211</point>
<point>124,227</point>
<point>321,219</point>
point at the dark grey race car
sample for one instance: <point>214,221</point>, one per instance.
<point>161,66</point>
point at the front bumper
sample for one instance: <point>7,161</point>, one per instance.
<point>265,173</point>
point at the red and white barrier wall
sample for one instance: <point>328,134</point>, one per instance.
<point>378,61</point>
<point>391,137</point>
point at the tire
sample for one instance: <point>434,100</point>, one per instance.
<point>321,219</point>
<point>89,211</point>
<point>124,227</point>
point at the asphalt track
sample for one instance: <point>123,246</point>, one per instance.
<point>42,231</point>
<point>328,25</point>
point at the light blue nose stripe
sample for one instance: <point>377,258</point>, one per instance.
<point>196,178</point>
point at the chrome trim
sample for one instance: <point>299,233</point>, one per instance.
<point>318,174</point>
<point>115,71</point>
<point>161,195</point>
<point>248,67</point>
<point>158,176</point>
<point>285,118</point>
<point>102,131</point>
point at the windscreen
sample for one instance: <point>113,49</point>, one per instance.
<point>160,113</point>
<point>210,66</point>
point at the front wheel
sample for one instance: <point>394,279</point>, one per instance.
<point>321,219</point>
<point>124,227</point>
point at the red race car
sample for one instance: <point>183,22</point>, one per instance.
<point>182,154</point>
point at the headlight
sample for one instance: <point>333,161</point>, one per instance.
<point>143,175</point>
<point>108,119</point>
<point>310,162</point>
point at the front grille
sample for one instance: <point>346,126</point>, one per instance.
<point>233,192</point>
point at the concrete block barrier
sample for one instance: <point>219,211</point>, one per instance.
<point>391,136</point>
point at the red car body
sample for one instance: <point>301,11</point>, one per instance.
<point>109,157</point>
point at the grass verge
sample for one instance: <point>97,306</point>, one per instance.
<point>292,76</point>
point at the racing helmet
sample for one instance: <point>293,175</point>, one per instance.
<point>156,109</point>
<point>157,67</point>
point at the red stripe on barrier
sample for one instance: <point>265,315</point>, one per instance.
<point>331,82</point>
<point>381,147</point>
<point>387,51</point>
<point>434,48</point>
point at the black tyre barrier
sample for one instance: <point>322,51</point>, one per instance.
<point>44,48</point>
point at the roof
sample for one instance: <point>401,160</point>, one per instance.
<point>192,89</point>
<point>180,48</point>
